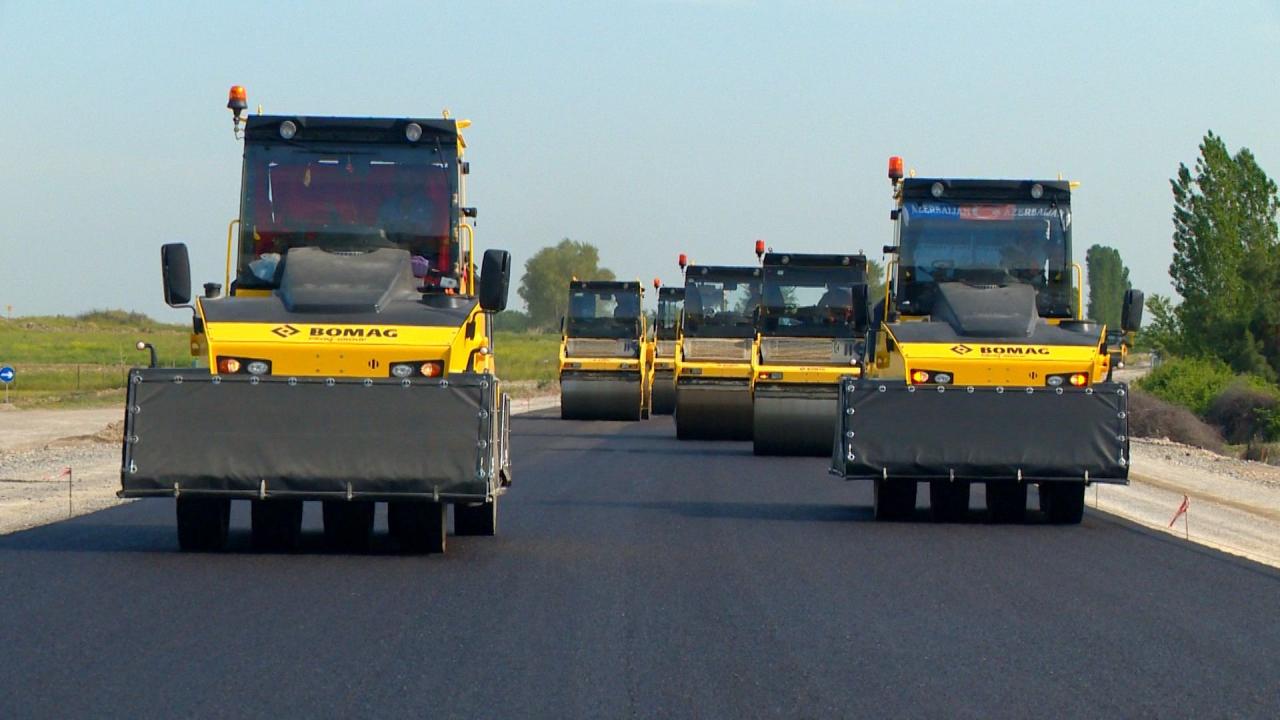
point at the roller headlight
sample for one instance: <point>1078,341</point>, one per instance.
<point>402,370</point>
<point>258,367</point>
<point>413,132</point>
<point>288,129</point>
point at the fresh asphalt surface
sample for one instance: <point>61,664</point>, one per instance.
<point>638,576</point>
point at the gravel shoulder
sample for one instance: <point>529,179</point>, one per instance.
<point>36,446</point>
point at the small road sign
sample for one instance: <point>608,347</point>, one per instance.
<point>7,374</point>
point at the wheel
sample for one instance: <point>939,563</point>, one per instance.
<point>478,519</point>
<point>948,500</point>
<point>277,524</point>
<point>203,523</point>
<point>895,498</point>
<point>419,527</point>
<point>1007,502</point>
<point>348,524</point>
<point>1062,502</point>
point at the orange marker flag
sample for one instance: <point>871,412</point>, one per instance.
<point>1182,510</point>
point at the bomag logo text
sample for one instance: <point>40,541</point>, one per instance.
<point>347,333</point>
<point>1006,350</point>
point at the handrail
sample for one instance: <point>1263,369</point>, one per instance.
<point>230,228</point>
<point>1079,290</point>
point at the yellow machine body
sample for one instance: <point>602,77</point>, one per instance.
<point>606,356</point>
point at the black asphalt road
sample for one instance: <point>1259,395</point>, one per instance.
<point>638,576</point>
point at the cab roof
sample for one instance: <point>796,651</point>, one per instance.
<point>266,129</point>
<point>981,189</point>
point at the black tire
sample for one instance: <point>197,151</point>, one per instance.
<point>419,527</point>
<point>895,499</point>
<point>1007,502</point>
<point>1062,502</point>
<point>348,525</point>
<point>478,519</point>
<point>203,523</point>
<point>948,500</point>
<point>277,524</point>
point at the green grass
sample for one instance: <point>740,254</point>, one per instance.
<point>84,360</point>
<point>527,357</point>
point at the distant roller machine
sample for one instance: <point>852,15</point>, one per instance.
<point>813,328</point>
<point>605,355</point>
<point>666,329</point>
<point>715,352</point>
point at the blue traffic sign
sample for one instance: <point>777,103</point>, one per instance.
<point>7,374</point>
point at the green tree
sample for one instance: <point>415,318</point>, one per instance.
<point>545,285</point>
<point>1108,279</point>
<point>1226,260</point>
<point>1162,331</point>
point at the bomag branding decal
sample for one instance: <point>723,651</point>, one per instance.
<point>1011,350</point>
<point>350,333</point>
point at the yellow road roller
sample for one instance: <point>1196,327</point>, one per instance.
<point>350,359</point>
<point>813,329</point>
<point>715,353</point>
<point>666,328</point>
<point>982,368</point>
<point>604,352</point>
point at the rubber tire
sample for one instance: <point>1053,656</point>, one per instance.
<point>479,519</point>
<point>1062,502</point>
<point>948,500</point>
<point>1007,502</point>
<point>348,524</point>
<point>419,527</point>
<point>276,524</point>
<point>203,523</point>
<point>894,499</point>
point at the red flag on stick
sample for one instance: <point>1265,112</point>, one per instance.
<point>1182,510</point>
<point>65,472</point>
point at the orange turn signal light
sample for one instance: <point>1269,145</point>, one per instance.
<point>1079,379</point>
<point>432,369</point>
<point>228,366</point>
<point>919,376</point>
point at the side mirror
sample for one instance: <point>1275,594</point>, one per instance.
<point>1131,311</point>
<point>175,267</point>
<point>495,279</point>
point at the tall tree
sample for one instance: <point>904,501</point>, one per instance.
<point>1108,279</point>
<point>545,285</point>
<point>1226,260</point>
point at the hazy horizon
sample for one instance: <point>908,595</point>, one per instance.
<point>646,127</point>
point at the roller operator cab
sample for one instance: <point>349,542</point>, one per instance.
<point>604,352</point>
<point>813,328</point>
<point>981,368</point>
<point>716,351</point>
<point>666,332</point>
<point>351,358</point>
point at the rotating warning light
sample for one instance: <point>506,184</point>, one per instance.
<point>657,284</point>
<point>759,248</point>
<point>895,167</point>
<point>683,260</point>
<point>237,99</point>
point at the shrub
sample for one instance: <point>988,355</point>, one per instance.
<point>1150,416</point>
<point>1244,412</point>
<point>1190,382</point>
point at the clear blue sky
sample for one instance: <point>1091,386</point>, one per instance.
<point>645,127</point>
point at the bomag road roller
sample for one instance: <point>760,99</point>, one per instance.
<point>715,353</point>
<point>350,360</point>
<point>604,352</point>
<point>982,369</point>
<point>813,328</point>
<point>666,327</point>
